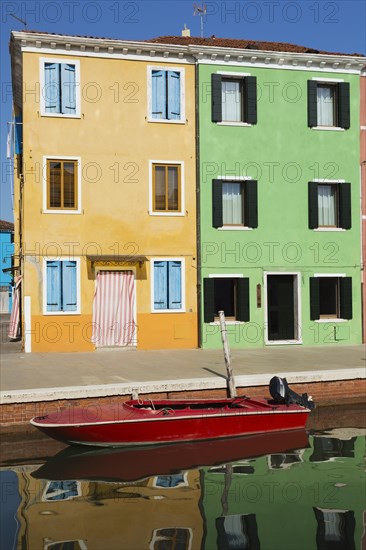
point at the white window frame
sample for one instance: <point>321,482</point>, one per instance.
<point>76,62</point>
<point>183,284</point>
<point>331,319</point>
<point>226,276</point>
<point>46,210</point>
<point>298,311</point>
<point>234,76</point>
<point>329,229</point>
<point>182,211</point>
<point>78,285</point>
<point>181,70</point>
<point>328,81</point>
<point>235,179</point>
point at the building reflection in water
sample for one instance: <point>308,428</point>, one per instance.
<point>307,498</point>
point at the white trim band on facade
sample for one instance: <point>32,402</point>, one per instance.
<point>190,384</point>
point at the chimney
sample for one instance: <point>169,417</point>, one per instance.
<point>185,31</point>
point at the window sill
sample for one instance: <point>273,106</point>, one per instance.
<point>234,124</point>
<point>166,121</point>
<point>61,211</point>
<point>331,320</point>
<point>331,229</point>
<point>329,128</point>
<point>60,115</point>
<point>173,214</point>
<point>61,313</point>
<point>217,323</point>
<point>168,311</point>
<point>282,342</point>
<point>235,228</point>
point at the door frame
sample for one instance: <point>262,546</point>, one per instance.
<point>120,268</point>
<point>297,312</point>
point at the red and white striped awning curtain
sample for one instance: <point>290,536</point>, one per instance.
<point>114,308</point>
<point>14,325</point>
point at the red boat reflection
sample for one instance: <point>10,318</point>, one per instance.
<point>131,464</point>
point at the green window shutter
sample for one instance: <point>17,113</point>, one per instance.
<point>314,298</point>
<point>313,204</point>
<point>344,119</point>
<point>345,218</point>
<point>209,300</point>
<point>312,103</point>
<point>251,203</point>
<point>217,220</point>
<point>216,80</point>
<point>250,99</point>
<point>346,297</point>
<point>242,300</point>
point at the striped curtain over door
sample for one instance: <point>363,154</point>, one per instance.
<point>14,326</point>
<point>113,309</point>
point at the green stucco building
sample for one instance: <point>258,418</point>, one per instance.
<point>279,195</point>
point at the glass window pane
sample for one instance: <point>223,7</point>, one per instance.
<point>69,185</point>
<point>328,296</point>
<point>55,185</point>
<point>160,192</point>
<point>173,188</point>
<point>326,106</point>
<point>231,101</point>
<point>224,290</point>
<point>327,205</point>
<point>232,203</point>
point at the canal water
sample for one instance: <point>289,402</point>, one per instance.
<point>288,491</point>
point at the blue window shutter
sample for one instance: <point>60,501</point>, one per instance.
<point>51,90</point>
<point>175,285</point>
<point>68,92</point>
<point>173,95</point>
<point>158,91</point>
<point>69,298</point>
<point>160,285</point>
<point>18,135</point>
<point>54,286</point>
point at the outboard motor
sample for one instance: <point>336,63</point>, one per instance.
<point>281,393</point>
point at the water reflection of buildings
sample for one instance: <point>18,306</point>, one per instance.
<point>311,498</point>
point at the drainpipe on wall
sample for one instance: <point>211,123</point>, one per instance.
<point>198,209</point>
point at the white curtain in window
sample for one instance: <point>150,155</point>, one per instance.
<point>232,204</point>
<point>327,199</point>
<point>325,106</point>
<point>231,101</point>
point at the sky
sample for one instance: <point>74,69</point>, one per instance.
<point>321,24</point>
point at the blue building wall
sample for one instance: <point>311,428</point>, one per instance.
<point>7,251</point>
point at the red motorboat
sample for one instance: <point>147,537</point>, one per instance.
<point>132,464</point>
<point>148,422</point>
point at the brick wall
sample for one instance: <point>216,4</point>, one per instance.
<point>324,393</point>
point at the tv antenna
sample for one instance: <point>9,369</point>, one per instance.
<point>201,11</point>
<point>18,19</point>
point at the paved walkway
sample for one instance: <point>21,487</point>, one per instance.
<point>43,377</point>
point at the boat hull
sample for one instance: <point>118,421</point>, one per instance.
<point>164,425</point>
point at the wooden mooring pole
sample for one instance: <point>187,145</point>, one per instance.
<point>230,376</point>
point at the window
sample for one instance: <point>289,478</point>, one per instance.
<point>330,297</point>
<point>166,183</point>
<point>227,294</point>
<point>335,528</point>
<point>62,185</point>
<point>59,83</point>
<point>329,205</point>
<point>61,490</point>
<point>166,97</point>
<point>61,286</point>
<point>172,538</point>
<point>237,531</point>
<point>168,285</point>
<point>234,203</point>
<point>234,100</point>
<point>328,104</point>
